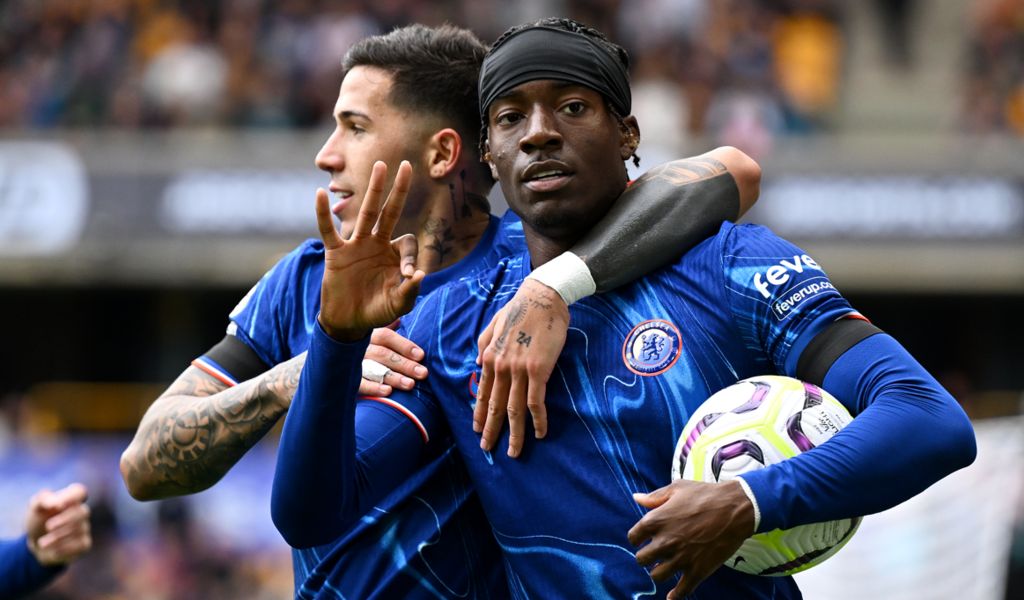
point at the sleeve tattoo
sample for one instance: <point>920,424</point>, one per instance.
<point>198,429</point>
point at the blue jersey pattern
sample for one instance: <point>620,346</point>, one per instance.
<point>428,539</point>
<point>637,362</point>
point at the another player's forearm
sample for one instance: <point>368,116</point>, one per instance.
<point>337,456</point>
<point>666,212</point>
<point>197,430</point>
<point>912,434</point>
<point>311,490</point>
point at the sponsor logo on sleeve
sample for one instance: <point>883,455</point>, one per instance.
<point>781,273</point>
<point>793,297</point>
<point>783,304</point>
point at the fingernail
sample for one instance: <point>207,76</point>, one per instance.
<point>420,370</point>
<point>512,453</point>
<point>385,390</point>
<point>483,445</point>
<point>408,382</point>
<point>417,353</point>
<point>476,427</point>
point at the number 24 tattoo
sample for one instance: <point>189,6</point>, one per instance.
<point>524,339</point>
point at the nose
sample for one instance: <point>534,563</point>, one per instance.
<point>541,131</point>
<point>330,158</point>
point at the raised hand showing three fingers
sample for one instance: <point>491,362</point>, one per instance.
<point>367,283</point>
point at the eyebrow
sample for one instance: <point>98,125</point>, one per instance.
<point>349,114</point>
<point>558,84</point>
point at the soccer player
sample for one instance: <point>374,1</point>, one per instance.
<point>56,533</point>
<point>408,94</point>
<point>570,512</point>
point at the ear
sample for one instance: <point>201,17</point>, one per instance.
<point>444,150</point>
<point>630,131</point>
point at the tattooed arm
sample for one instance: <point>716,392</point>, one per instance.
<point>660,216</point>
<point>199,428</point>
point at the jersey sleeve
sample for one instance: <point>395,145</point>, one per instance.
<point>339,455</point>
<point>20,572</point>
<point>908,432</point>
<point>780,298</point>
<point>264,321</point>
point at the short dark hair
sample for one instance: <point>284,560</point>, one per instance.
<point>573,26</point>
<point>434,70</point>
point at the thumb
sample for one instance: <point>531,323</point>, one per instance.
<point>653,499</point>
<point>44,501</point>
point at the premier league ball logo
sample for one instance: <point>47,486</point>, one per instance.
<point>652,347</point>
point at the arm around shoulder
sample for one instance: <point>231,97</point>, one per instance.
<point>745,172</point>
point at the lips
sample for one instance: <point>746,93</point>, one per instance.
<point>546,176</point>
<point>343,197</point>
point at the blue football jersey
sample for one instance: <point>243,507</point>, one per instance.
<point>428,539</point>
<point>637,362</point>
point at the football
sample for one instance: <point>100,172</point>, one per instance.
<point>754,423</point>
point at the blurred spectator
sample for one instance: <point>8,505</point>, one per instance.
<point>994,97</point>
<point>56,533</point>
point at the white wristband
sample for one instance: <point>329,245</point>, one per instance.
<point>753,500</point>
<point>568,275</point>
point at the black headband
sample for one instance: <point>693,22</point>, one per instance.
<point>547,53</point>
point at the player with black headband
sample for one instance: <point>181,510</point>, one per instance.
<point>409,94</point>
<point>574,514</point>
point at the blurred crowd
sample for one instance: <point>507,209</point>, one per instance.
<point>994,99</point>
<point>180,560</point>
<point>739,67</point>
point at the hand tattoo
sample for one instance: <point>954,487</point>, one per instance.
<point>524,339</point>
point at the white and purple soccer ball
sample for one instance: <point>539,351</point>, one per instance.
<point>757,422</point>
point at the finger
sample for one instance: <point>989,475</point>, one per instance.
<point>483,394</point>
<point>77,513</point>
<point>396,201</point>
<point>406,293</point>
<point>395,361</point>
<point>66,530</point>
<point>390,339</point>
<point>516,410</point>
<point>535,402</point>
<point>668,566</point>
<point>648,554</point>
<point>496,407</point>
<point>43,501</point>
<point>71,548</point>
<point>75,493</point>
<point>325,222</point>
<point>408,252</point>
<point>369,210</point>
<point>372,388</point>
<point>687,583</point>
<point>653,499</point>
<point>485,338</point>
<point>643,530</point>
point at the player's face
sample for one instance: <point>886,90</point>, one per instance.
<point>368,128</point>
<point>558,152</point>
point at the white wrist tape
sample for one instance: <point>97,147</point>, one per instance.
<point>753,500</point>
<point>568,275</point>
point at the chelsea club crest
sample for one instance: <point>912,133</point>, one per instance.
<point>652,347</point>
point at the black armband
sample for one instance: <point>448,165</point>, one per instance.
<point>236,359</point>
<point>829,345</point>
